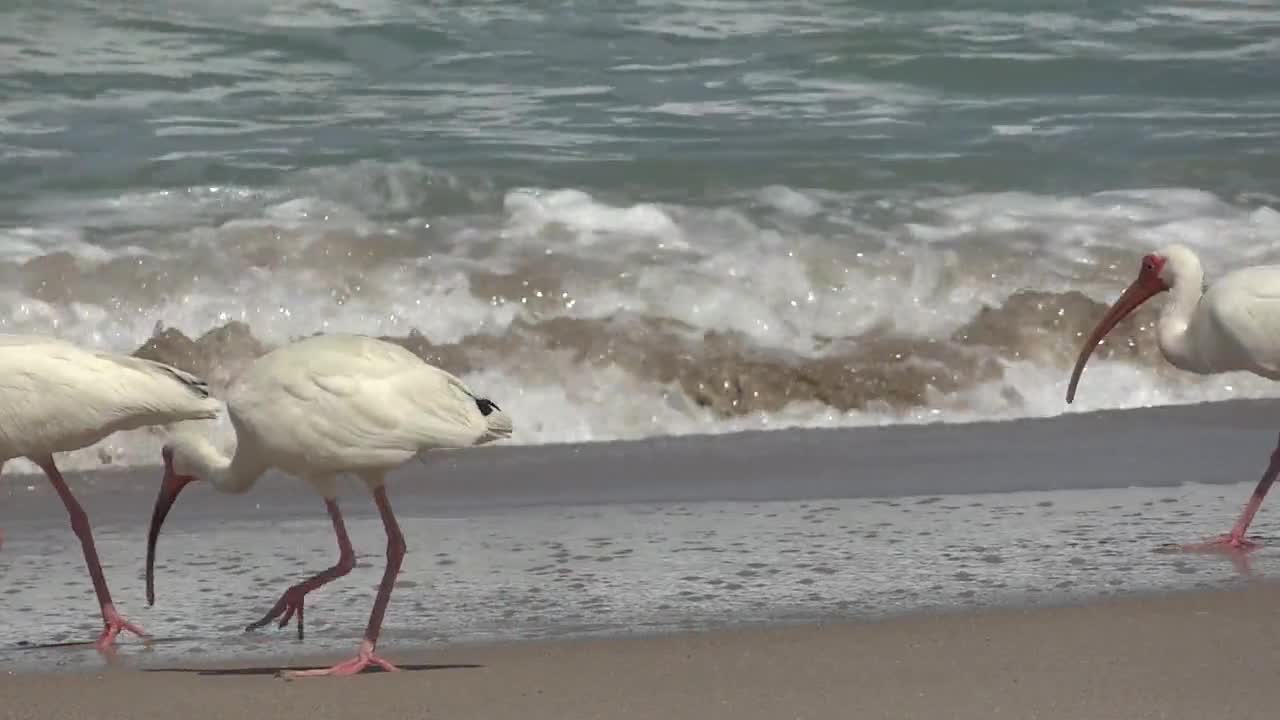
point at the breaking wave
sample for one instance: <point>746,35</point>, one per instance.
<point>595,318</point>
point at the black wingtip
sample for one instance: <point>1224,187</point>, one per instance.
<point>198,387</point>
<point>486,406</point>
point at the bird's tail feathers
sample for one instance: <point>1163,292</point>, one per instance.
<point>194,427</point>
<point>193,383</point>
<point>497,423</point>
<point>497,426</point>
<point>209,409</point>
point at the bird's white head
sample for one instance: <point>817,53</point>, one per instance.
<point>1178,266</point>
<point>1170,267</point>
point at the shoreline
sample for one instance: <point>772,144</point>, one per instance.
<point>672,533</point>
<point>626,570</point>
<point>780,624</point>
<point>985,456</point>
<point>1179,655</point>
<point>1148,600</point>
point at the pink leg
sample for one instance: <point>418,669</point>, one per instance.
<point>292,600</point>
<point>113,624</point>
<point>395,554</point>
<point>1235,540</point>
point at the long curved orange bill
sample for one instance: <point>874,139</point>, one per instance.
<point>169,489</point>
<point>1138,292</point>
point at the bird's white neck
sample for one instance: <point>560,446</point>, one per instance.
<point>1174,326</point>
<point>196,456</point>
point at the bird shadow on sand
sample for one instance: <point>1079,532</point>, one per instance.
<point>23,645</point>
<point>279,669</point>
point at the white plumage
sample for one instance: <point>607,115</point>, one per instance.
<point>336,403</point>
<point>57,397</point>
<point>1232,325</point>
<point>319,407</point>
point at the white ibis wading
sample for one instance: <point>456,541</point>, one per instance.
<point>319,407</point>
<point>57,397</point>
<point>1234,325</point>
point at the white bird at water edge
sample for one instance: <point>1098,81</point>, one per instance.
<point>1234,325</point>
<point>319,407</point>
<point>57,397</point>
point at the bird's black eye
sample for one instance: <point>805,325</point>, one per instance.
<point>486,406</point>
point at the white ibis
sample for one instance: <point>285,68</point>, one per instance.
<point>1234,325</point>
<point>318,407</point>
<point>56,397</point>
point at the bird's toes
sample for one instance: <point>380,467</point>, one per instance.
<point>146,636</point>
<point>259,623</point>
<point>281,606</point>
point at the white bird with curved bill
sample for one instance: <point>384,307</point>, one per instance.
<point>322,406</point>
<point>57,397</point>
<point>1234,325</point>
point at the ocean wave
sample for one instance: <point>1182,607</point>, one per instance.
<point>599,317</point>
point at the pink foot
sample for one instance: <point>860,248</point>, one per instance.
<point>1225,544</point>
<point>114,624</point>
<point>354,666</point>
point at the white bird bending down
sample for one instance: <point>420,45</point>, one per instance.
<point>1234,325</point>
<point>56,397</point>
<point>318,407</point>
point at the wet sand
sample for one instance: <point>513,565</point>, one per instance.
<point>734,548</point>
<point>1190,655</point>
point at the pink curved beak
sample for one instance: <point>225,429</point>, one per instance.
<point>172,484</point>
<point>1147,284</point>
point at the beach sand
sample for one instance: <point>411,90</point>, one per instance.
<point>1192,655</point>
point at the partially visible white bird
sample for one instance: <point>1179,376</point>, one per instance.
<point>57,397</point>
<point>1232,325</point>
<point>318,407</point>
